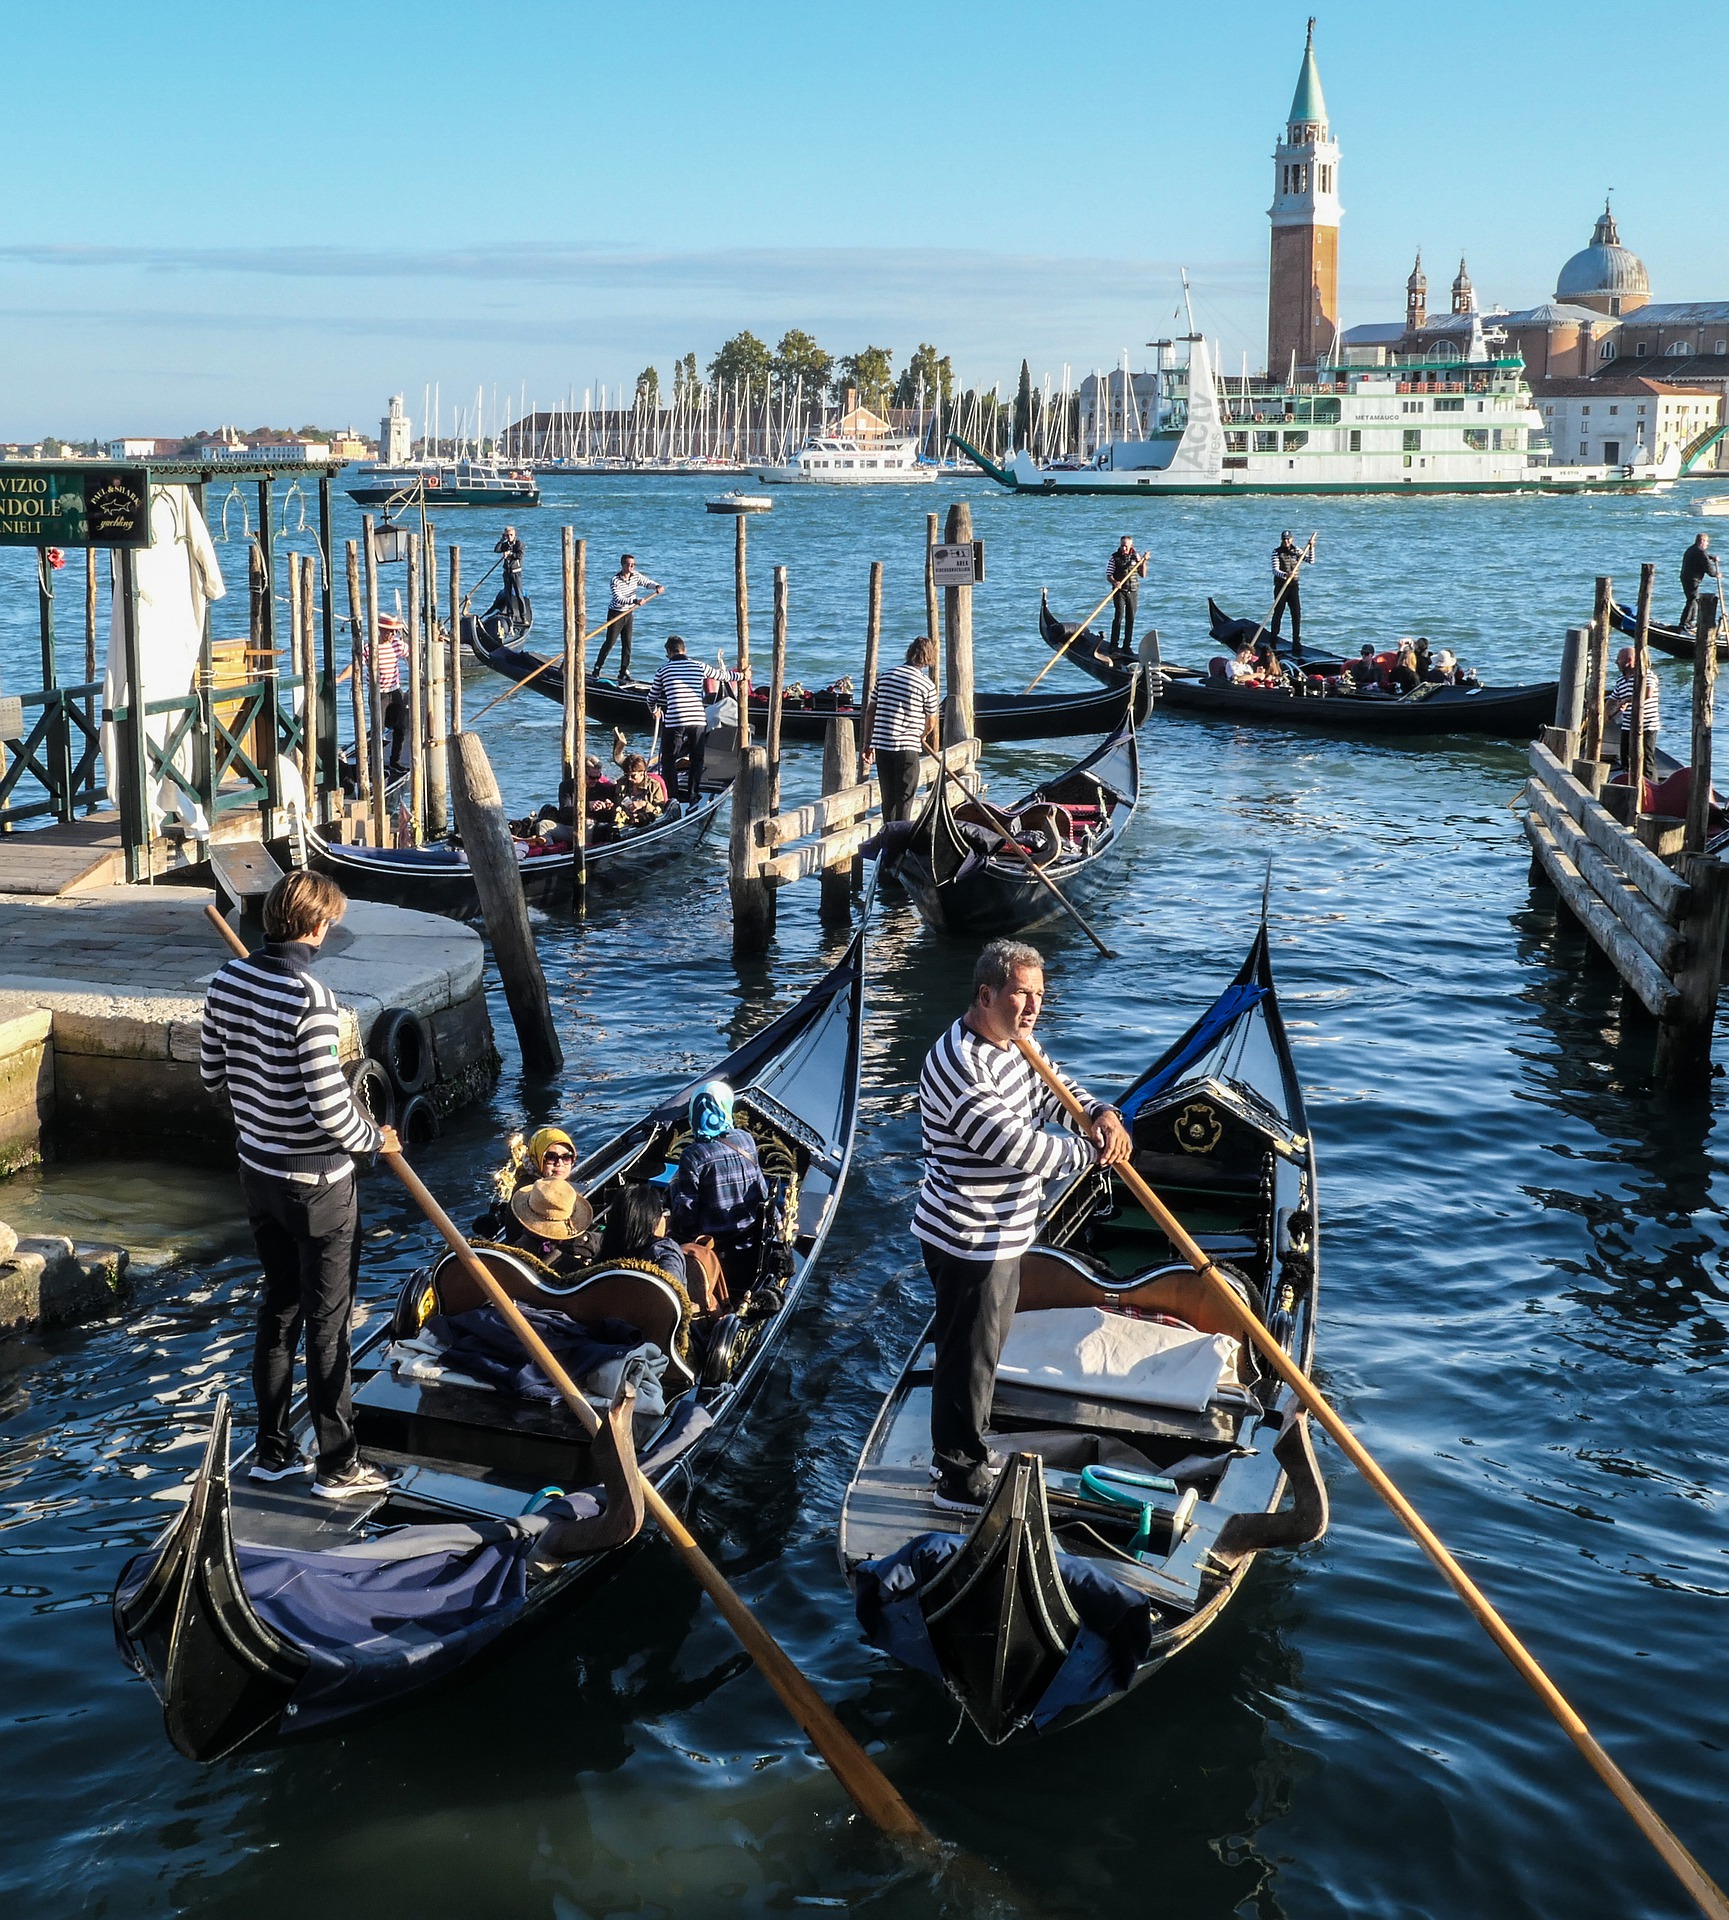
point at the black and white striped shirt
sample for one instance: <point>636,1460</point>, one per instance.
<point>983,1112</point>
<point>906,703</point>
<point>1653,701</point>
<point>677,692</point>
<point>271,1042</point>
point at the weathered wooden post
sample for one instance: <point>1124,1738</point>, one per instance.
<point>873,639</point>
<point>357,686</point>
<point>374,699</point>
<point>1704,717</point>
<point>437,706</point>
<point>741,605</point>
<point>306,645</point>
<point>577,669</point>
<point>296,658</point>
<point>1683,1060</point>
<point>89,614</point>
<point>776,686</point>
<point>1589,768</point>
<point>958,610</point>
<point>1636,719</point>
<point>416,700</point>
<point>455,572</point>
<point>753,901</point>
<point>932,628</point>
<point>1563,736</point>
<point>840,768</point>
<point>498,881</point>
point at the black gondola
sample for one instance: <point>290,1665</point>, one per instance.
<point>1133,1494</point>
<point>437,879</point>
<point>1505,713</point>
<point>1673,640</point>
<point>996,716</point>
<point>1068,824</point>
<point>265,1611</point>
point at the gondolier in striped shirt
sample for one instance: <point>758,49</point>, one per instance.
<point>677,695</point>
<point>629,590</point>
<point>900,722</point>
<point>393,702</point>
<point>1621,706</point>
<point>271,1046</point>
<point>986,1119</point>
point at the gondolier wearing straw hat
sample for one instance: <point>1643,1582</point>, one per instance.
<point>271,1044</point>
<point>986,1119</point>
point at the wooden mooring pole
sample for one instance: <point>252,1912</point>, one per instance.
<point>374,699</point>
<point>873,640</point>
<point>958,630</point>
<point>498,881</point>
<point>437,706</point>
<point>1636,719</point>
<point>89,613</point>
<point>840,769</point>
<point>1704,703</point>
<point>455,572</point>
<point>776,689</point>
<point>416,700</point>
<point>741,615</point>
<point>753,902</point>
<point>357,684</point>
<point>306,648</point>
<point>933,630</point>
<point>1588,768</point>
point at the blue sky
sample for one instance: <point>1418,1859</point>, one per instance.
<point>284,214</point>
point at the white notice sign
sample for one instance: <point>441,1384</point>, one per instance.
<point>959,566</point>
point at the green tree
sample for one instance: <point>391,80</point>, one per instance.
<point>1023,420</point>
<point>686,381</point>
<point>798,359</point>
<point>648,389</point>
<point>743,358</point>
<point>872,372</point>
<point>936,374</point>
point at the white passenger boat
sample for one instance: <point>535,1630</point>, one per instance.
<point>852,460</point>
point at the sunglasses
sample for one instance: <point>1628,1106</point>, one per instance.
<point>556,1153</point>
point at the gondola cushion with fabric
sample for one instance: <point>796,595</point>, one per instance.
<point>1108,1356</point>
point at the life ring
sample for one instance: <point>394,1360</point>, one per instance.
<point>433,480</point>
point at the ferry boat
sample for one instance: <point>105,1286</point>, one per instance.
<point>1468,425</point>
<point>445,483</point>
<point>852,460</point>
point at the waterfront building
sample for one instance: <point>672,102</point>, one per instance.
<point>395,439</point>
<point>1625,420</point>
<point>1605,275</point>
<point>1303,281</point>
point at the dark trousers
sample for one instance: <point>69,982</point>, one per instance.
<point>1288,595</point>
<point>622,634</point>
<point>515,607</point>
<point>683,743</point>
<point>309,1241</point>
<point>975,1308</point>
<point>1125,603</point>
<point>1627,749</point>
<point>898,778</point>
<point>1690,607</point>
<point>396,725</point>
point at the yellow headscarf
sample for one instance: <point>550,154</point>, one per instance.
<point>539,1141</point>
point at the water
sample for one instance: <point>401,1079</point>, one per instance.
<point>1523,1312</point>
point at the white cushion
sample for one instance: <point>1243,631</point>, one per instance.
<point>1108,1356</point>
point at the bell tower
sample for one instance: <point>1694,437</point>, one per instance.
<point>1464,294</point>
<point>1417,298</point>
<point>1303,287</point>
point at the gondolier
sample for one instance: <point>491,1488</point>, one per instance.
<point>1698,564</point>
<point>1125,570</point>
<point>510,600</point>
<point>1288,562</point>
<point>629,590</point>
<point>984,1115</point>
<point>270,1045</point>
<point>1621,705</point>
<point>393,714</point>
<point>677,695</point>
<point>900,723</point>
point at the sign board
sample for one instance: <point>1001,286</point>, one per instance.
<point>11,718</point>
<point>66,506</point>
<point>960,566</point>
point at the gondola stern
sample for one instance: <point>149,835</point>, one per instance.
<point>1304,1521</point>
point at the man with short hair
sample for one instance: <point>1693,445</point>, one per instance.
<point>677,695</point>
<point>1621,705</point>
<point>1125,570</point>
<point>1288,562</point>
<point>1698,564</point>
<point>984,1115</point>
<point>900,723</point>
<point>629,590</point>
<point>271,1044</point>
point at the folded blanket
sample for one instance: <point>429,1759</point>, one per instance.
<point>479,1348</point>
<point>1107,1356</point>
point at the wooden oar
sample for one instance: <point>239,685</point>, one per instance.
<point>1705,1891</point>
<point>239,947</point>
<point>1076,634</point>
<point>1001,823</point>
<point>557,660</point>
<point>1303,560</point>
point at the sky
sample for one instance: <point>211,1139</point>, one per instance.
<point>283,215</point>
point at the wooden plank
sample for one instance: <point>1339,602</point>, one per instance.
<point>1638,864</point>
<point>1631,961</point>
<point>842,807</point>
<point>833,849</point>
<point>1618,894</point>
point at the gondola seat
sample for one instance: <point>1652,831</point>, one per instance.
<point>1052,1278</point>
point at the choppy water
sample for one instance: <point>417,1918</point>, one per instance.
<point>1523,1311</point>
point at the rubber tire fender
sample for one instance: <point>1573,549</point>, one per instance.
<point>418,1121</point>
<point>401,1042</point>
<point>373,1093</point>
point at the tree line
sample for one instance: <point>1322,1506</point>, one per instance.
<point>800,365</point>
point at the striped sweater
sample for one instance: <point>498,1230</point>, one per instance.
<point>677,692</point>
<point>983,1112</point>
<point>271,1044</point>
<point>905,703</point>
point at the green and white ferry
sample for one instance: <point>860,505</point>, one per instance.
<point>1467,425</point>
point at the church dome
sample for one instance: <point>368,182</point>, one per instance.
<point>1605,269</point>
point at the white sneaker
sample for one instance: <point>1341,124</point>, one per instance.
<point>360,1482</point>
<point>288,1470</point>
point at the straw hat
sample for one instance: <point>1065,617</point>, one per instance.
<point>553,1209</point>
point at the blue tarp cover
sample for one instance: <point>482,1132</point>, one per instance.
<point>481,1344</point>
<point>1116,1621</point>
<point>1230,1006</point>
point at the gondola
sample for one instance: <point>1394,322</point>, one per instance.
<point>1069,825</point>
<point>1504,713</point>
<point>996,716</point>
<point>437,879</point>
<point>265,1612</point>
<point>1666,639</point>
<point>1144,1459</point>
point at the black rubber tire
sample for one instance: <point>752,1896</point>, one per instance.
<point>371,1087</point>
<point>401,1043</point>
<point>418,1121</point>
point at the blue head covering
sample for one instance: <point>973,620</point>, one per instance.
<point>711,1110</point>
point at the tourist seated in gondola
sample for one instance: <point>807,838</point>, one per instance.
<point>638,1226</point>
<point>548,1153</point>
<point>639,798</point>
<point>718,1187</point>
<point>1364,669</point>
<point>1402,676</point>
<point>552,1222</point>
